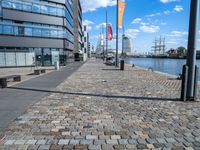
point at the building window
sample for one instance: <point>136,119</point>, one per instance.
<point>27,6</point>
<point>44,9</point>
<point>7,29</point>
<point>36,8</point>
<point>45,32</point>
<point>28,31</point>
<point>17,5</point>
<point>52,11</point>
<point>36,32</point>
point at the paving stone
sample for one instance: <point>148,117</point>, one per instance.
<point>129,146</point>
<point>80,147</point>
<point>9,142</point>
<point>94,147</point>
<point>44,147</point>
<point>115,137</point>
<point>119,147</point>
<point>113,142</point>
<point>86,142</point>
<point>99,142</point>
<point>91,137</point>
<point>41,142</point>
<point>20,142</point>
<point>123,141</point>
<point>22,147</point>
<point>150,146</point>
<point>63,142</point>
<point>104,137</point>
<point>31,142</point>
<point>68,147</point>
<point>33,147</point>
<point>107,147</point>
<point>52,142</point>
<point>56,147</point>
<point>74,142</point>
<point>131,141</point>
<point>141,146</point>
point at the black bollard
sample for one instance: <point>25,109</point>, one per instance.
<point>122,65</point>
<point>184,83</point>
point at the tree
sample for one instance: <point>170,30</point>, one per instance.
<point>181,51</point>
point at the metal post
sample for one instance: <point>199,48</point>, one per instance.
<point>106,35</point>
<point>191,55</point>
<point>196,82</point>
<point>116,61</point>
<point>123,35</point>
<point>103,42</point>
<point>184,83</point>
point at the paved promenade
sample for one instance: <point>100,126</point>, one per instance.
<point>17,99</point>
<point>99,107</point>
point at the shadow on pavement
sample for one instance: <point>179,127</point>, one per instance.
<point>97,95</point>
<point>111,69</point>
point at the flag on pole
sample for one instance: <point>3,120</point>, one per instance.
<point>110,33</point>
<point>121,8</point>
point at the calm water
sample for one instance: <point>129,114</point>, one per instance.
<point>171,66</point>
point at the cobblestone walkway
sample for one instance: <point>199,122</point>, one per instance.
<point>130,118</point>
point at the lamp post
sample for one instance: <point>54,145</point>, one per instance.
<point>117,27</point>
<point>191,54</point>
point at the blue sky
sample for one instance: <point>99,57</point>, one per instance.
<point>143,20</point>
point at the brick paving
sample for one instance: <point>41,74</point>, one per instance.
<point>101,108</point>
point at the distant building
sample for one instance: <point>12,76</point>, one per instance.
<point>36,32</point>
<point>78,34</point>
<point>85,43</point>
<point>89,49</point>
<point>127,45</point>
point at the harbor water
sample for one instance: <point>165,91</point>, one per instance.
<point>170,66</point>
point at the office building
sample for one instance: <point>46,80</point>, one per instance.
<point>36,32</point>
<point>85,43</point>
<point>78,33</point>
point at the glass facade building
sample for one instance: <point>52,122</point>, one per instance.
<point>36,32</point>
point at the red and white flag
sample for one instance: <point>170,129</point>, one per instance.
<point>110,33</point>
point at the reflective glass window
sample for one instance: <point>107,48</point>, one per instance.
<point>36,8</point>
<point>52,11</point>
<point>16,30</point>
<point>60,12</point>
<point>0,29</point>
<point>45,33</point>
<point>6,4</point>
<point>17,5</point>
<point>44,9</point>
<point>37,32</point>
<point>27,6</point>
<point>7,29</point>
<point>54,33</point>
<point>28,31</point>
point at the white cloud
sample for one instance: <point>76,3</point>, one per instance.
<point>101,25</point>
<point>153,15</point>
<point>132,33</point>
<point>178,8</point>
<point>177,34</point>
<point>149,28</point>
<point>88,23</point>
<point>168,1</point>
<point>136,21</point>
<point>92,5</point>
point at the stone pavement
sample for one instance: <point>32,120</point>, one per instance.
<point>14,100</point>
<point>99,107</point>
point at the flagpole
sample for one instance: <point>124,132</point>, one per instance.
<point>106,34</point>
<point>117,27</point>
<point>123,34</point>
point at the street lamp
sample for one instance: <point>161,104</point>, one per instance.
<point>191,80</point>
